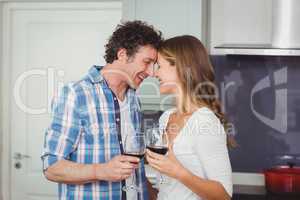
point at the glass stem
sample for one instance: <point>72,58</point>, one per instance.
<point>133,182</point>
<point>161,179</point>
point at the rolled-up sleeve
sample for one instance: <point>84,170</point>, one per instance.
<point>61,137</point>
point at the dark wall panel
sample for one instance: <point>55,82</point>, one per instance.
<point>261,96</point>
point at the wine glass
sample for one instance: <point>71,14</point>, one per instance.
<point>157,141</point>
<point>134,145</point>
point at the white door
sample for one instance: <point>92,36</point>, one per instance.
<point>50,43</point>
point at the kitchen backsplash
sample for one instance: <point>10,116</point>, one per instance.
<point>261,97</point>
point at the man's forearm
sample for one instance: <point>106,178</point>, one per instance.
<point>65,171</point>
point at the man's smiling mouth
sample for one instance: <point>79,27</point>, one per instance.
<point>142,76</point>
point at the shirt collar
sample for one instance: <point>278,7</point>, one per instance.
<point>94,74</point>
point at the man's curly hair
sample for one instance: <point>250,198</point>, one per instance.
<point>131,36</point>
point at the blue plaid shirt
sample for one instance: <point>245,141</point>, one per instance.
<point>84,130</point>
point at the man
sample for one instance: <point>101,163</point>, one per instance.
<point>83,145</point>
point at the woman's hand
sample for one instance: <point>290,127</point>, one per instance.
<point>168,165</point>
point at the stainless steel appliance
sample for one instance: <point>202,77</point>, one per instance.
<point>285,33</point>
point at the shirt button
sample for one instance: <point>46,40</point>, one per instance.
<point>118,119</point>
<point>115,98</point>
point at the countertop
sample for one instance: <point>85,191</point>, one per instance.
<point>240,192</point>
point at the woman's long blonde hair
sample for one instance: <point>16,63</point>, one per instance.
<point>195,72</point>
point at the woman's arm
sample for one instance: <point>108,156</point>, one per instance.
<point>207,189</point>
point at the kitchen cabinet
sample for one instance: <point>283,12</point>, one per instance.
<point>239,21</point>
<point>172,17</point>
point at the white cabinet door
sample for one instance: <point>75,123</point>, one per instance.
<point>173,18</point>
<point>49,43</point>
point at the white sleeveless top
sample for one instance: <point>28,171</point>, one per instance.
<point>200,147</point>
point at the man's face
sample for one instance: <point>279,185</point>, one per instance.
<point>140,65</point>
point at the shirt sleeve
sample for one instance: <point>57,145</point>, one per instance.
<point>62,136</point>
<point>209,142</point>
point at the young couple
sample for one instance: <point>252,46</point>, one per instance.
<point>83,149</point>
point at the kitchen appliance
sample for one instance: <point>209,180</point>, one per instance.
<point>285,35</point>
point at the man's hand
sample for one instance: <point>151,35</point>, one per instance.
<point>117,169</point>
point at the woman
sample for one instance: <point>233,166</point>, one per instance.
<point>197,165</point>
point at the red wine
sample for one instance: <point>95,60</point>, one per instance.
<point>138,155</point>
<point>158,149</point>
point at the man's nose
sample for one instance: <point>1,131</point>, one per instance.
<point>155,73</point>
<point>150,70</point>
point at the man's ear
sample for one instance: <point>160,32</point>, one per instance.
<point>122,55</point>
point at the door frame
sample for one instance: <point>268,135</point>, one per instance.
<point>6,93</point>
<point>6,10</point>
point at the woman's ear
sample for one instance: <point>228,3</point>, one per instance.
<point>122,55</point>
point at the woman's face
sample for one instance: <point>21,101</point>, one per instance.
<point>167,76</point>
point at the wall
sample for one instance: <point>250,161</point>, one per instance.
<point>172,17</point>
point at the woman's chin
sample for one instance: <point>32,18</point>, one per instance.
<point>166,90</point>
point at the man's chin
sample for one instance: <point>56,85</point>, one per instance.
<point>134,85</point>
